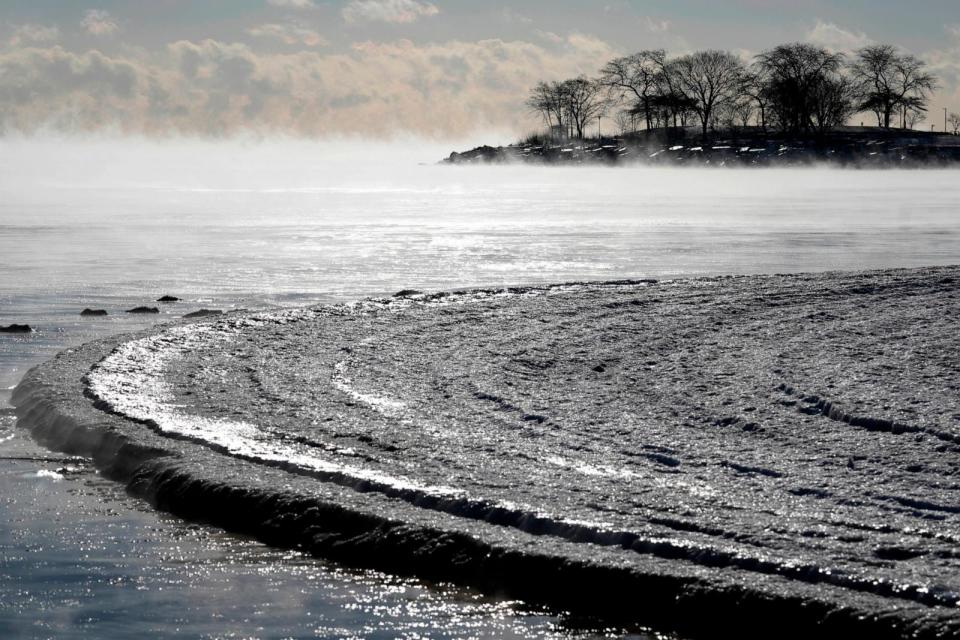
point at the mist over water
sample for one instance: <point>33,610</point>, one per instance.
<point>116,223</point>
<point>352,218</point>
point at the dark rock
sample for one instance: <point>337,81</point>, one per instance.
<point>93,312</point>
<point>16,328</point>
<point>143,310</point>
<point>482,154</point>
<point>599,368</point>
<point>203,313</point>
<point>168,299</point>
<point>406,293</point>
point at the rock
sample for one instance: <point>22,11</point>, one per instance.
<point>482,154</point>
<point>143,310</point>
<point>406,293</point>
<point>93,312</point>
<point>203,313</point>
<point>16,328</point>
<point>168,299</point>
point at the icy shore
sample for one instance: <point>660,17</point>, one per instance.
<point>753,453</point>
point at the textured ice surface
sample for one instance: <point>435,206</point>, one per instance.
<point>804,428</point>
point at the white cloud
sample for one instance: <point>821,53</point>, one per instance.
<point>590,47</point>
<point>396,11</point>
<point>290,33</point>
<point>836,38</point>
<point>443,89</point>
<point>292,4</point>
<point>99,23</point>
<point>945,64</point>
<point>32,34</point>
<point>550,36</point>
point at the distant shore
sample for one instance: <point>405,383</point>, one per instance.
<point>751,147</point>
<point>774,444</point>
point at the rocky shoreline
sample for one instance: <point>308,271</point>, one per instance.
<point>855,147</point>
<point>652,452</point>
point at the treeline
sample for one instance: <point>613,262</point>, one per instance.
<point>793,88</point>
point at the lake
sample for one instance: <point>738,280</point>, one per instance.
<point>227,225</point>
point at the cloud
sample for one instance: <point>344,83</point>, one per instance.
<point>550,36</point>
<point>835,38</point>
<point>396,11</point>
<point>292,4</point>
<point>68,91</point>
<point>290,33</point>
<point>378,89</point>
<point>590,47</point>
<point>945,64</point>
<point>99,23</point>
<point>33,34</point>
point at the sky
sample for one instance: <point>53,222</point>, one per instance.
<point>441,69</point>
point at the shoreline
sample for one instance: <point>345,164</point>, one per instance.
<point>82,558</point>
<point>362,526</point>
<point>851,147</point>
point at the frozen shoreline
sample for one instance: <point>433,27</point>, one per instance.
<point>688,566</point>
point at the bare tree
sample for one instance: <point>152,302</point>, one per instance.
<point>913,117</point>
<point>624,121</point>
<point>873,71</point>
<point>635,76</point>
<point>549,99</point>
<point>585,101</point>
<point>741,112</point>
<point>833,102</point>
<point>798,76</point>
<point>711,79</point>
<point>891,82</point>
<point>954,121</point>
<point>755,86</point>
<point>913,110</point>
<point>670,103</point>
<point>914,85</point>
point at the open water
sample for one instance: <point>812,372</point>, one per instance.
<point>225,225</point>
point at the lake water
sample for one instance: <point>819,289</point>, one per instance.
<point>113,225</point>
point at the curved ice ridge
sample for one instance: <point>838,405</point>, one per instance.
<point>130,383</point>
<point>831,410</point>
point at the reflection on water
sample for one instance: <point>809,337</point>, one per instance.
<point>79,559</point>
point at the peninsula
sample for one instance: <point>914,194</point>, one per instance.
<point>788,105</point>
